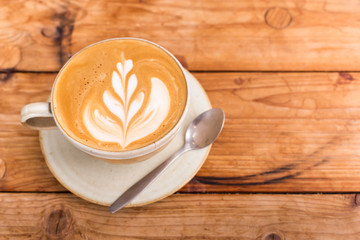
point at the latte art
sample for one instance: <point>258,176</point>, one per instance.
<point>132,119</point>
<point>120,95</point>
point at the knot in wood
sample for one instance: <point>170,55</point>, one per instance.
<point>6,75</point>
<point>273,236</point>
<point>58,223</point>
<point>345,78</point>
<point>2,168</point>
<point>356,200</point>
<point>278,18</point>
<point>49,32</point>
<point>239,81</point>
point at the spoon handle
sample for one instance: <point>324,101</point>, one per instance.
<point>138,187</point>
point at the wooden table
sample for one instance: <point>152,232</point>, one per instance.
<point>286,73</point>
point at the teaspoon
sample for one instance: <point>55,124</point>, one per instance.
<point>201,132</point>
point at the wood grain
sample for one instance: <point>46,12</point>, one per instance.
<point>210,216</point>
<point>205,35</point>
<point>296,132</point>
<point>34,35</point>
<point>284,132</point>
<point>23,165</point>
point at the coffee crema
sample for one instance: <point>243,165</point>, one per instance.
<point>119,95</point>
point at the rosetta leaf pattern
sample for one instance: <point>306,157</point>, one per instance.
<point>125,87</point>
<point>126,104</point>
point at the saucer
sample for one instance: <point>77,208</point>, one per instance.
<point>102,183</point>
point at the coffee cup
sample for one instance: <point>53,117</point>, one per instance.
<point>120,100</point>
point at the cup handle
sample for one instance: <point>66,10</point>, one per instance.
<point>38,116</point>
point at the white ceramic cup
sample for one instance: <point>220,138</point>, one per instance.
<point>40,116</point>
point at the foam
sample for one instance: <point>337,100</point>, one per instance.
<point>119,95</point>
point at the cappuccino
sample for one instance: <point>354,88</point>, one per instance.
<point>119,95</point>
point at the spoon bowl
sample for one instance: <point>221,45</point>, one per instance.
<point>205,128</point>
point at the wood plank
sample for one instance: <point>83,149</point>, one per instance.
<point>21,160</point>
<point>205,35</point>
<point>284,132</point>
<point>205,216</point>
<point>296,132</point>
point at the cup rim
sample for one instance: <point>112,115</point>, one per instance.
<point>135,153</point>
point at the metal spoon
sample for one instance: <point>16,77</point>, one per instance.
<point>201,132</point>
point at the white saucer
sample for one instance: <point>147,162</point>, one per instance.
<point>101,183</point>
